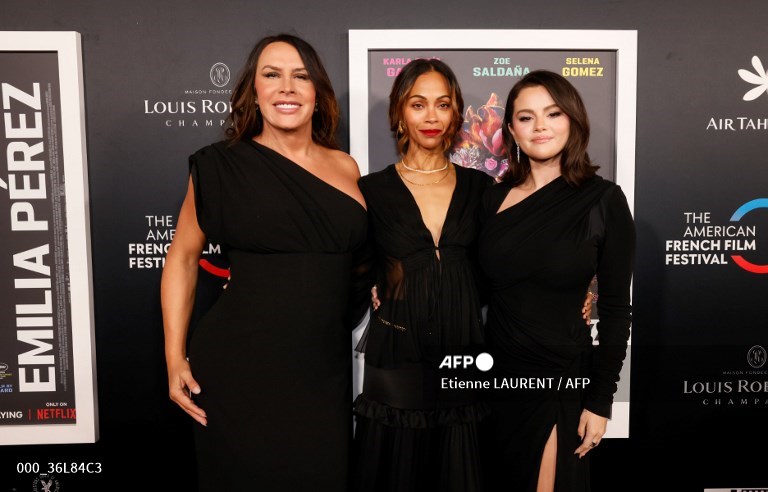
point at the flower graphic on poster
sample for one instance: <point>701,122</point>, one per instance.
<point>480,144</point>
<point>759,78</point>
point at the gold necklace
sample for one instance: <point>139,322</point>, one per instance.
<point>423,184</point>
<point>421,171</point>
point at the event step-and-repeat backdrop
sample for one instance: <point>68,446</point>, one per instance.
<point>679,111</point>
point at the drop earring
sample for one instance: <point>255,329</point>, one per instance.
<point>518,152</point>
<point>316,108</point>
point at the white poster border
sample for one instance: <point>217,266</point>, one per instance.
<point>622,42</point>
<point>68,47</point>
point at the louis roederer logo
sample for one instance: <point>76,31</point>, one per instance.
<point>220,74</point>
<point>757,357</point>
<point>759,78</point>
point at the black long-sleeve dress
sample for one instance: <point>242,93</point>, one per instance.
<point>539,256</point>
<point>411,435</point>
<point>272,355</point>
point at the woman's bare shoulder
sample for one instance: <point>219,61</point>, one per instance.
<point>344,162</point>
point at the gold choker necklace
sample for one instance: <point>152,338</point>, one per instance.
<point>425,184</point>
<point>421,171</point>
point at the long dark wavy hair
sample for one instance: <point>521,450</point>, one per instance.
<point>245,121</point>
<point>398,98</point>
<point>575,162</point>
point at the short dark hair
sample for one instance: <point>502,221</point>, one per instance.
<point>246,122</point>
<point>575,162</point>
<point>398,98</point>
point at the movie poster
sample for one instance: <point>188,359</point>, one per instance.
<point>485,78</point>
<point>600,64</point>
<point>36,383</point>
<point>38,335</point>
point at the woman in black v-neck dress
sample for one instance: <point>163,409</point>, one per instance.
<point>411,435</point>
<point>271,362</point>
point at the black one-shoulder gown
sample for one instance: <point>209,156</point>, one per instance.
<point>540,256</point>
<point>272,355</point>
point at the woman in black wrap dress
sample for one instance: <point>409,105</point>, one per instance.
<point>271,362</point>
<point>549,228</point>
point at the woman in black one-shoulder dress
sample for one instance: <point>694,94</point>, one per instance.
<point>549,228</point>
<point>271,362</point>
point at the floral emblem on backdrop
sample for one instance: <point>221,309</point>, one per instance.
<point>479,144</point>
<point>759,78</point>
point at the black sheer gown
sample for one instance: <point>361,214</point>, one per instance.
<point>272,355</point>
<point>540,256</point>
<point>410,434</point>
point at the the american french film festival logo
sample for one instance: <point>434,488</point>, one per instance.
<point>150,251</point>
<point>706,242</point>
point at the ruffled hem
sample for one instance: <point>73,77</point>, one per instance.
<point>420,419</point>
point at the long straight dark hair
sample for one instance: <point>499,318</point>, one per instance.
<point>246,121</point>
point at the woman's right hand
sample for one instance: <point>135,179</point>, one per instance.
<point>586,310</point>
<point>375,302</point>
<point>181,387</point>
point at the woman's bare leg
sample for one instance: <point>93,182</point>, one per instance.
<point>548,461</point>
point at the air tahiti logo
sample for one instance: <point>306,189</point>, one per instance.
<point>759,78</point>
<point>744,122</point>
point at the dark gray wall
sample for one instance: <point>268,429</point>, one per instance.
<point>691,323</point>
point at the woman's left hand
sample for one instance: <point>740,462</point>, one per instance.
<point>591,431</point>
<point>375,302</point>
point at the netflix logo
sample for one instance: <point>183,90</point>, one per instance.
<point>56,414</point>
